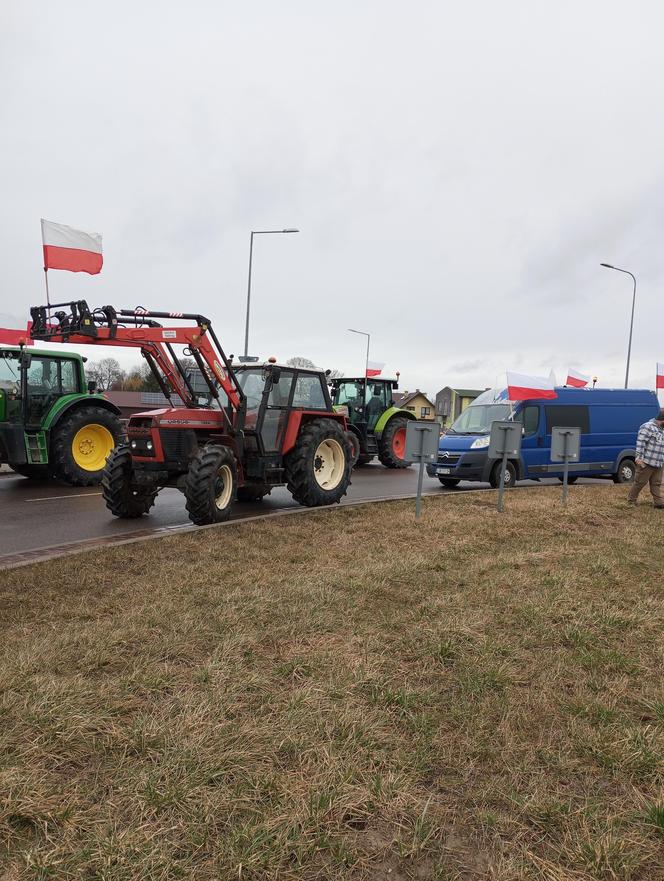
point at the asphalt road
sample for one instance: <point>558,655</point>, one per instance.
<point>37,518</point>
<point>43,515</point>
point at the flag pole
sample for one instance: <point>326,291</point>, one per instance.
<point>366,371</point>
<point>48,298</point>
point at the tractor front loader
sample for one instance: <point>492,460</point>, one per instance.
<point>234,433</point>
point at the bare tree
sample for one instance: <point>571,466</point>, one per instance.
<point>304,363</point>
<point>107,373</point>
<point>335,374</point>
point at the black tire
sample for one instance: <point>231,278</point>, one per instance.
<point>392,443</point>
<point>253,492</point>
<point>210,486</point>
<point>62,440</point>
<point>32,472</point>
<point>626,471</point>
<point>510,475</point>
<point>571,479</point>
<point>363,459</point>
<point>449,481</point>
<point>355,448</point>
<point>305,461</point>
<point>123,498</point>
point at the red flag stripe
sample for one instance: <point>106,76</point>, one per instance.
<point>72,259</point>
<point>11,337</point>
<point>522,393</point>
<point>576,382</point>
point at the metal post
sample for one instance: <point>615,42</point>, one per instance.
<point>565,468</point>
<point>420,476</point>
<point>48,298</point>
<point>631,328</point>
<point>366,378</point>
<point>501,486</point>
<point>631,324</point>
<point>246,326</point>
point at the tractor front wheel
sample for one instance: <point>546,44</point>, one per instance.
<point>392,444</point>
<point>210,486</point>
<point>82,442</point>
<point>355,448</point>
<point>123,498</point>
<point>318,467</point>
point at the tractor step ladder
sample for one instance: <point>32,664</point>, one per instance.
<point>35,446</point>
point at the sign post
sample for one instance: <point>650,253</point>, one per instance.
<point>421,447</point>
<point>565,448</point>
<point>504,441</point>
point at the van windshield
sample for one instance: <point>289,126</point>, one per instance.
<point>477,418</point>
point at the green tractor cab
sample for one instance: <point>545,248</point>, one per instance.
<point>51,422</point>
<point>376,427</point>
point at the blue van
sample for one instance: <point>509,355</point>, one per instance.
<point>609,420</point>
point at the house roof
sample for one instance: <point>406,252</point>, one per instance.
<point>401,399</point>
<point>469,392</point>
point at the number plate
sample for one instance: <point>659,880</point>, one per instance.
<point>443,470</point>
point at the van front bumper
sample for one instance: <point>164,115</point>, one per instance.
<point>471,465</point>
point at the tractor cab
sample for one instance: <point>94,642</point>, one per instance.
<point>377,425</point>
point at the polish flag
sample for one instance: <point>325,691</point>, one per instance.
<point>660,376</point>
<point>576,379</point>
<point>521,387</point>
<point>375,368</point>
<point>72,249</point>
<point>11,337</point>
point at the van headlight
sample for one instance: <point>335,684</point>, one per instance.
<point>480,443</point>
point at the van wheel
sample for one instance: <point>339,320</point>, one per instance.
<point>449,481</point>
<point>626,472</point>
<point>571,479</point>
<point>510,475</point>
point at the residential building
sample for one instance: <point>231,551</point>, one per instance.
<point>451,402</point>
<point>417,402</point>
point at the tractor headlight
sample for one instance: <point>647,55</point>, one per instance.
<point>480,443</point>
<point>133,445</point>
<point>149,445</point>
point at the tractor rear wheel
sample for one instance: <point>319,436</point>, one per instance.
<point>81,442</point>
<point>318,468</point>
<point>123,498</point>
<point>355,448</point>
<point>32,472</point>
<point>210,486</point>
<point>253,492</point>
<point>392,444</point>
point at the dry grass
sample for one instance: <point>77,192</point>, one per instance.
<point>343,695</point>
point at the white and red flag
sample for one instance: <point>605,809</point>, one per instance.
<point>11,337</point>
<point>375,368</point>
<point>71,249</point>
<point>576,379</point>
<point>521,387</point>
<point>660,376</point>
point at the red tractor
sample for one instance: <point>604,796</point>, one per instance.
<point>235,432</point>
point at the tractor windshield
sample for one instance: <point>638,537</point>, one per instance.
<point>48,379</point>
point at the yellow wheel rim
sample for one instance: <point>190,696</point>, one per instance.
<point>91,446</point>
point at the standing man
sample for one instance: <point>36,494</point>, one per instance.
<point>649,460</point>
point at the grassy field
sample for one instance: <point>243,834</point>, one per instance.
<point>343,695</point>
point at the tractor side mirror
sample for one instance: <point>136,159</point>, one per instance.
<point>26,358</point>
<point>276,375</point>
<point>92,386</point>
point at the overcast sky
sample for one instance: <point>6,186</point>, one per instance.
<point>457,170</point>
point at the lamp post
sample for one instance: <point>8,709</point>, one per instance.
<point>366,366</point>
<point>631,324</point>
<point>256,232</point>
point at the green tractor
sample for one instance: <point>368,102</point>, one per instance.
<point>52,424</point>
<point>376,427</point>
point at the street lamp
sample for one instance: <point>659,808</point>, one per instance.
<point>366,367</point>
<point>631,325</point>
<point>256,232</point>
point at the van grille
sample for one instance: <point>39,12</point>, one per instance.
<point>448,458</point>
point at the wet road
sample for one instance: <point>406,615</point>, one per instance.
<point>38,516</point>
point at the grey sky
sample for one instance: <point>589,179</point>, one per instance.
<point>457,171</point>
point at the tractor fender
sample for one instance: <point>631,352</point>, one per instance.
<point>301,417</point>
<point>71,402</point>
<point>389,414</point>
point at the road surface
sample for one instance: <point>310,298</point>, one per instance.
<point>40,518</point>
